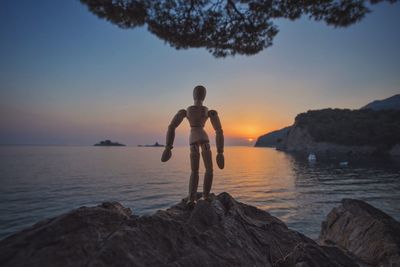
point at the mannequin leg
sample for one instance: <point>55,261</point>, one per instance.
<point>194,177</point>
<point>208,176</point>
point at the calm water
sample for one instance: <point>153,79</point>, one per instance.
<point>41,182</point>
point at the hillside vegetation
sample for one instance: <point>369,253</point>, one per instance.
<point>352,127</point>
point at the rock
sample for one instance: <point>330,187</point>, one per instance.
<point>356,133</point>
<point>272,139</point>
<point>370,234</point>
<point>395,151</point>
<point>223,232</point>
<point>108,143</point>
<point>299,140</point>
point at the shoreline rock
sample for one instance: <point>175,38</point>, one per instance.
<point>363,230</point>
<point>222,232</point>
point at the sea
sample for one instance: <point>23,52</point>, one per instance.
<point>39,182</point>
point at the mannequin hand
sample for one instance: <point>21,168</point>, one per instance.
<point>166,154</point>
<point>220,160</point>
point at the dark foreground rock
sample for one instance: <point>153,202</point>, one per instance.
<point>222,232</point>
<point>370,234</point>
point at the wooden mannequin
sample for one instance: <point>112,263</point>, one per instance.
<point>197,116</point>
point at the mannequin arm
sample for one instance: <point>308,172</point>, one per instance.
<point>219,139</point>
<point>178,118</point>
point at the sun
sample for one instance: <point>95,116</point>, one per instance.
<point>250,139</point>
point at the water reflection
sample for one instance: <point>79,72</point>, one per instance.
<point>321,186</point>
<point>40,182</point>
<point>262,177</point>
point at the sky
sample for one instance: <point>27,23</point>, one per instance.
<point>70,78</point>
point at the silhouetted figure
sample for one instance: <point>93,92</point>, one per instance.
<point>197,116</point>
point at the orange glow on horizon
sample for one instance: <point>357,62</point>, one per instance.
<point>251,132</point>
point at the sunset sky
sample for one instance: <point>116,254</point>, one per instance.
<point>69,78</point>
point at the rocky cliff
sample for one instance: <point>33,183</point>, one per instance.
<point>272,139</point>
<point>300,140</point>
<point>362,132</point>
<point>222,232</point>
<point>373,129</point>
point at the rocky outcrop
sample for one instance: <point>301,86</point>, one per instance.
<point>299,140</point>
<point>370,234</point>
<point>395,151</point>
<point>222,232</point>
<point>108,143</point>
<point>372,130</point>
<point>342,131</point>
<point>272,139</point>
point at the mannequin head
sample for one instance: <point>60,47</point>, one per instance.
<point>199,93</point>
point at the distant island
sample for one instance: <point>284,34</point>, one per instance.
<point>156,144</point>
<point>108,143</point>
<point>372,130</point>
